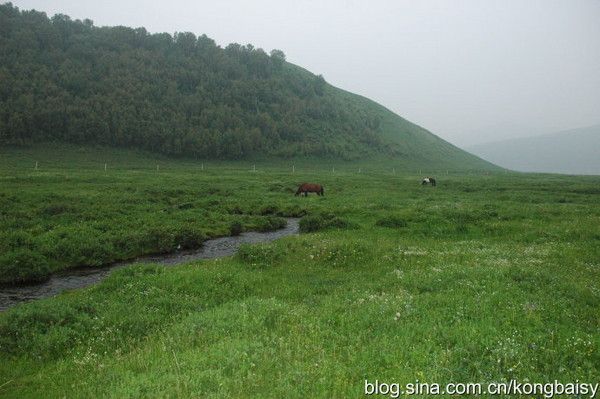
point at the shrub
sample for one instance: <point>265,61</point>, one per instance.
<point>78,246</point>
<point>23,266</point>
<point>292,211</point>
<point>159,239</point>
<point>392,221</point>
<point>268,210</point>
<point>271,223</point>
<point>322,221</point>
<point>189,238</point>
<point>281,188</point>
<point>128,244</point>
<point>235,228</point>
<point>162,239</point>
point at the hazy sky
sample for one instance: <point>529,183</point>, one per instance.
<point>470,71</point>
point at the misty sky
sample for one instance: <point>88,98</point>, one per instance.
<point>469,71</point>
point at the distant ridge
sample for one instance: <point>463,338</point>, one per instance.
<point>69,81</point>
<point>575,151</point>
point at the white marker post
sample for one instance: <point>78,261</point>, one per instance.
<point>293,168</point>
<point>104,168</point>
<point>36,165</point>
<point>202,167</point>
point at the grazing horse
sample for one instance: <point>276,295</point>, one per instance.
<point>428,180</point>
<point>310,188</point>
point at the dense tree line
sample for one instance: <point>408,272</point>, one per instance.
<point>68,80</point>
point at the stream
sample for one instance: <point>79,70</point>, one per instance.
<point>83,277</point>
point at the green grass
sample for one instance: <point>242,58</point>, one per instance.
<point>482,278</point>
<point>71,213</point>
<point>415,145</point>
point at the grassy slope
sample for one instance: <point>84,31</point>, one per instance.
<point>419,148</point>
<point>484,278</point>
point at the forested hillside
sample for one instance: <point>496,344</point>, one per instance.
<point>66,80</point>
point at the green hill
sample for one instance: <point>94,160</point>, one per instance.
<point>66,80</point>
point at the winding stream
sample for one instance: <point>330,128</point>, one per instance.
<point>79,278</point>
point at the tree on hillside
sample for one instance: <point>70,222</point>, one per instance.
<point>68,80</point>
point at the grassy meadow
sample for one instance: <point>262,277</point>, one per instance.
<point>486,277</point>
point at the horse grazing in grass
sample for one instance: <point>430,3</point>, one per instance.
<point>306,188</point>
<point>428,180</point>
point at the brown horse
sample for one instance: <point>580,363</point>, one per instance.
<point>310,188</point>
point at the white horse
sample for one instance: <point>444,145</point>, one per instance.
<point>428,180</point>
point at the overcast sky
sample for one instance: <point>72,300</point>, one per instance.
<point>469,71</point>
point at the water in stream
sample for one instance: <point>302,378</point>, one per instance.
<point>78,278</point>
